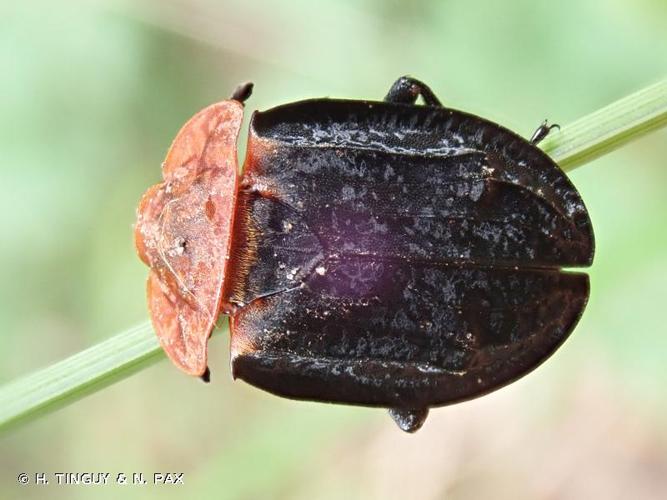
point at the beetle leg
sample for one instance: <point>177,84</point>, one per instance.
<point>409,420</point>
<point>406,90</point>
<point>242,92</point>
<point>542,131</point>
<point>206,377</point>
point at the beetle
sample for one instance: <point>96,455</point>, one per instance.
<point>379,253</point>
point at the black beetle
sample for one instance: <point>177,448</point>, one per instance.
<point>373,253</point>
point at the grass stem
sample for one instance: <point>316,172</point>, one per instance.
<point>137,348</point>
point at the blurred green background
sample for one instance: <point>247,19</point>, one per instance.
<point>91,95</point>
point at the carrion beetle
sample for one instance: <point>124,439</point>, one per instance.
<point>377,253</point>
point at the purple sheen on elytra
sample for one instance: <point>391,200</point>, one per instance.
<point>400,256</point>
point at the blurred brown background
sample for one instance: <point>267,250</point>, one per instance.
<point>91,94</point>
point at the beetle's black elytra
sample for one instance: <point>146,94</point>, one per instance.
<point>397,255</point>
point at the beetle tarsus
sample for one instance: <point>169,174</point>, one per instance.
<point>206,376</point>
<point>406,90</point>
<point>242,92</point>
<point>409,420</point>
<point>542,131</point>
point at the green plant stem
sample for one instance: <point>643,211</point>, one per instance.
<point>608,128</point>
<point>126,353</point>
<point>81,374</point>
